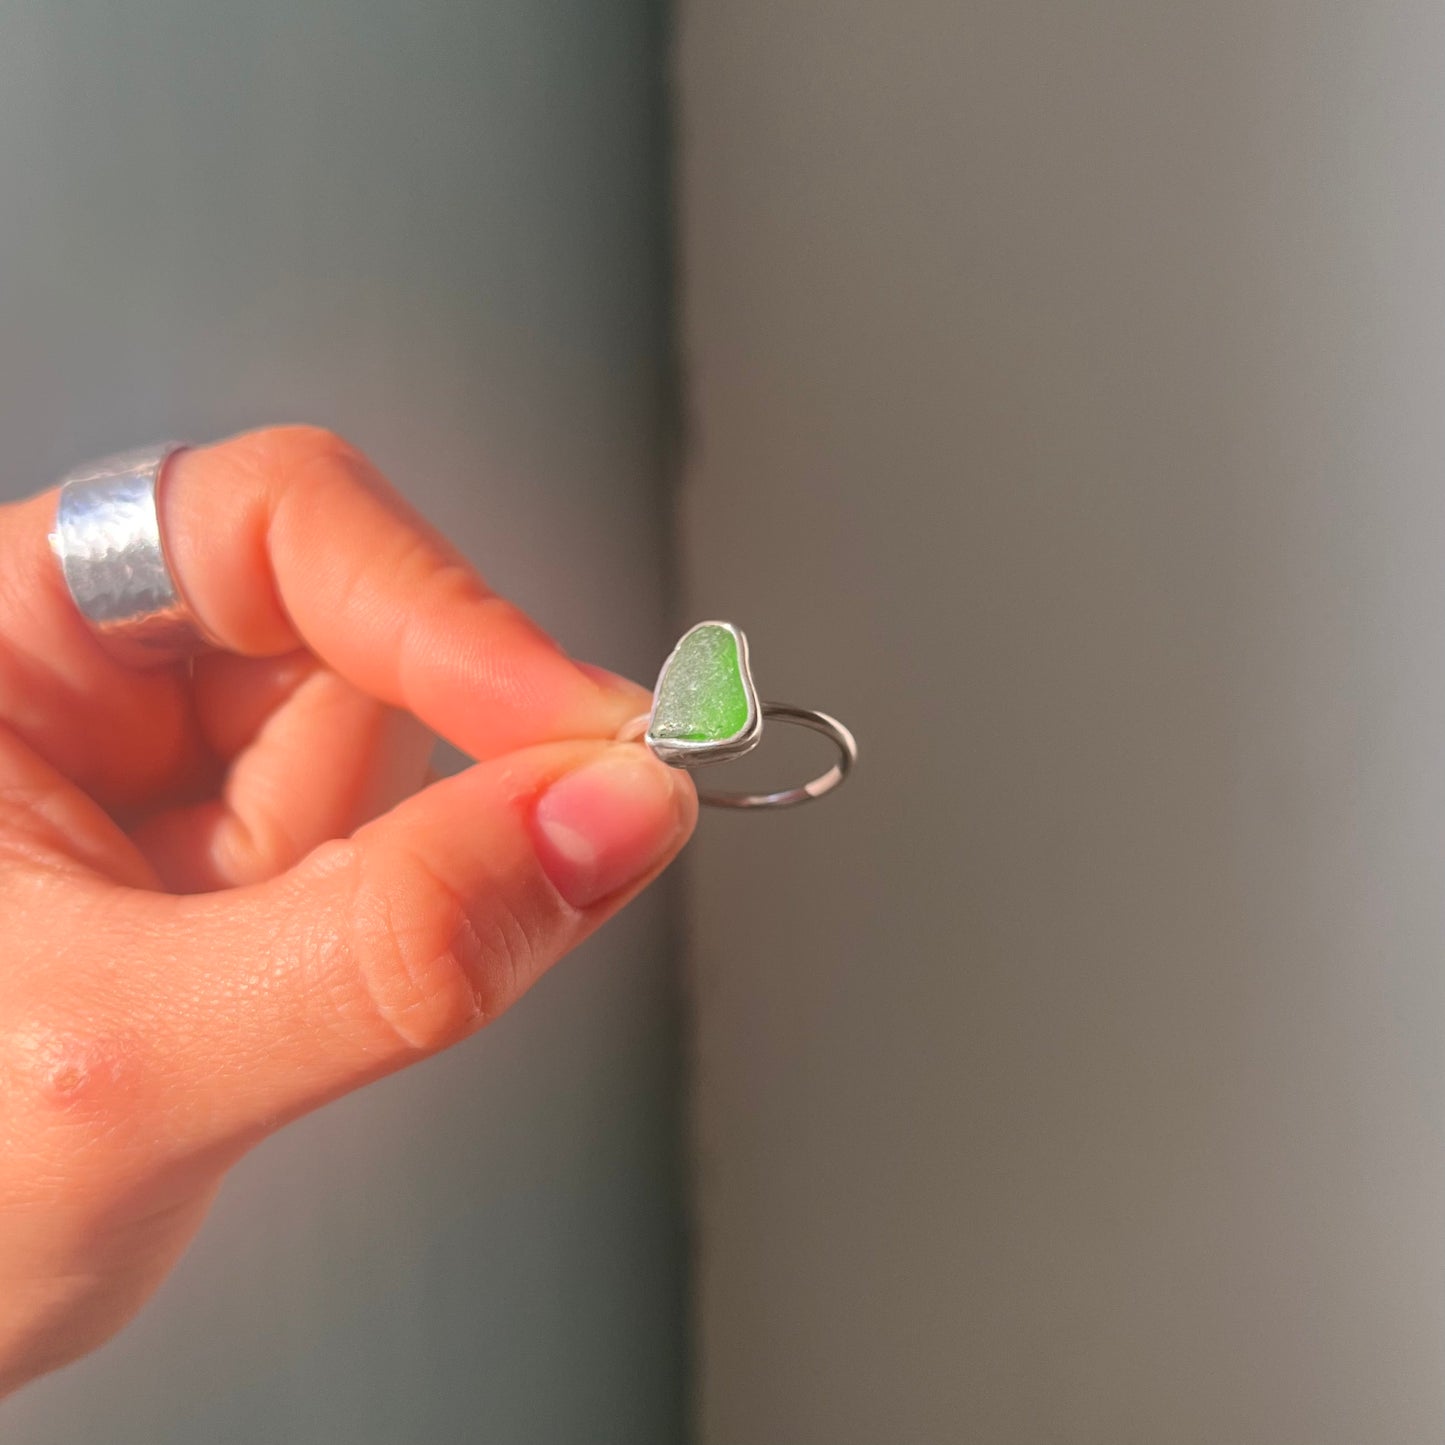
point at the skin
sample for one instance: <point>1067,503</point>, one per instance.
<point>225,897</point>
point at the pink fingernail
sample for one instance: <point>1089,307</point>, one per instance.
<point>606,825</point>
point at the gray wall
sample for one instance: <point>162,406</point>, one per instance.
<point>438,228</point>
<point>1067,386</point>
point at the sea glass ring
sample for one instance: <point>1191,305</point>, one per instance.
<point>705,710</point>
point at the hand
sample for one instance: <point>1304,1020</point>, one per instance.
<point>219,907</point>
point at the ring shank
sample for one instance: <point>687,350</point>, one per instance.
<point>819,722</point>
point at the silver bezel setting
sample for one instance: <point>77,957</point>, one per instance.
<point>683,753</point>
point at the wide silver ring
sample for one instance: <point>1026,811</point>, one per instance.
<point>108,541</point>
<point>705,710</point>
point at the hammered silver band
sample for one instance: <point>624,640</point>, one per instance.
<point>108,540</point>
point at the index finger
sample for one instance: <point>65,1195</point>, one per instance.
<point>291,537</point>
<point>281,539</point>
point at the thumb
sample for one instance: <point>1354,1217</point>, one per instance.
<point>388,946</point>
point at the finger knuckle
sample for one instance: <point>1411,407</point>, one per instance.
<point>434,968</point>
<point>294,450</point>
<point>296,464</point>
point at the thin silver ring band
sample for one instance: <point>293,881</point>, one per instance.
<point>819,722</point>
<point>108,540</point>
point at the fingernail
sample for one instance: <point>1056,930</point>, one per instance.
<point>604,677</point>
<point>612,682</point>
<point>605,825</point>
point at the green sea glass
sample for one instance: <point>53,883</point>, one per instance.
<point>703,695</point>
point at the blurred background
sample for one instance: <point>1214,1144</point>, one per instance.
<point>1053,391</point>
<point>1066,388</point>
